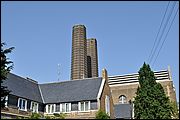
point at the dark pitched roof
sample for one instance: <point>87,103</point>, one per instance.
<point>73,90</point>
<point>22,87</point>
<point>122,111</point>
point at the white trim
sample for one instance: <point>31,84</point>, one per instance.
<point>69,105</point>
<point>54,108</point>
<point>100,92</point>
<point>41,94</point>
<point>25,109</point>
<point>51,110</point>
<point>137,73</point>
<point>79,105</point>
<point>101,88</point>
<point>124,84</point>
<point>6,101</point>
<point>46,108</point>
<point>60,107</point>
<point>36,108</point>
<point>89,105</point>
<point>84,106</point>
<point>107,104</point>
<point>83,111</point>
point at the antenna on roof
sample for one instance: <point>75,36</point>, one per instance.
<point>58,71</point>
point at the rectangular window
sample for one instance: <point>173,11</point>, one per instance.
<point>84,106</point>
<point>22,104</point>
<point>34,107</point>
<point>57,108</point>
<point>63,107</point>
<point>66,107</point>
<point>50,108</point>
<point>107,105</point>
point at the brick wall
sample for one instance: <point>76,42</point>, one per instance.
<point>106,91</point>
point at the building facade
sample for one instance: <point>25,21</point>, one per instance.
<point>79,53</point>
<point>77,99</point>
<point>84,59</point>
<point>92,58</point>
<point>124,87</point>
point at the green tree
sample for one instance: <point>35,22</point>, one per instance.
<point>175,113</point>
<point>151,101</point>
<point>102,115</point>
<point>6,66</point>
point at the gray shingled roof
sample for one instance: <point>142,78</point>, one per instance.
<point>23,87</point>
<point>73,90</point>
<point>122,111</point>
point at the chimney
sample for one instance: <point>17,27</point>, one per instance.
<point>104,74</point>
<point>169,72</point>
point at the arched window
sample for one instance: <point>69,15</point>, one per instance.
<point>122,99</point>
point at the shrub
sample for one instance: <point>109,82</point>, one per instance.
<point>102,115</point>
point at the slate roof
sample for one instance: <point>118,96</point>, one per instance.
<point>22,87</point>
<point>122,111</point>
<point>73,90</point>
<point>67,91</point>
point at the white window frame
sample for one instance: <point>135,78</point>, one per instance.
<point>51,110</point>
<point>79,106</point>
<point>59,108</point>
<point>6,101</point>
<point>65,108</point>
<point>122,101</point>
<point>25,107</point>
<point>107,104</point>
<point>33,110</point>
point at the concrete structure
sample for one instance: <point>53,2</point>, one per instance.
<point>92,58</point>
<point>79,53</point>
<point>78,99</point>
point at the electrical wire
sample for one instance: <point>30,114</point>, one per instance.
<point>162,33</point>
<point>166,35</point>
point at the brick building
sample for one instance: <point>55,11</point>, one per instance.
<point>92,58</point>
<point>124,87</point>
<point>84,59</point>
<point>79,53</point>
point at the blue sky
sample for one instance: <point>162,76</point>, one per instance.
<point>41,33</point>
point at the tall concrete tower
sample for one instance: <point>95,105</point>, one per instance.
<point>79,53</point>
<point>92,58</point>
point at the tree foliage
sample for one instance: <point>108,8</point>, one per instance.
<point>6,66</point>
<point>36,116</point>
<point>175,112</point>
<point>102,115</point>
<point>151,101</point>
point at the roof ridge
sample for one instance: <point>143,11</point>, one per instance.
<point>69,81</point>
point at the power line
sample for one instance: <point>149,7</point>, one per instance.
<point>159,30</point>
<point>167,20</point>
<point>166,35</point>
